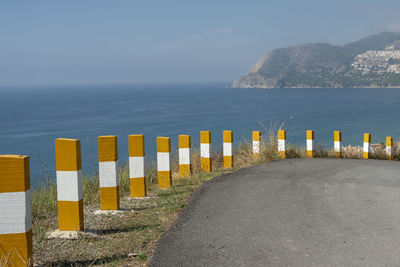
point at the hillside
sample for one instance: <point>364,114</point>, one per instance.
<point>373,61</point>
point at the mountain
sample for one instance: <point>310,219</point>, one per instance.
<point>373,61</point>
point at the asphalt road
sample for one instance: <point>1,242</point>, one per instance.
<point>320,212</point>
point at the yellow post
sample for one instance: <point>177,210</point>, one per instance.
<point>228,149</point>
<point>205,151</point>
<point>69,185</point>
<point>15,211</point>
<point>163,162</point>
<point>184,156</point>
<point>282,143</point>
<point>310,144</point>
<point>256,143</point>
<point>108,177</point>
<point>137,180</point>
<point>337,139</point>
<point>366,147</point>
<point>389,146</point>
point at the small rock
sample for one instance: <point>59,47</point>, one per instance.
<point>108,212</point>
<point>132,255</point>
<point>62,234</point>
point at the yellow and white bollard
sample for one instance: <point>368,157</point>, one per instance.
<point>205,149</point>
<point>337,146</point>
<point>256,143</point>
<point>310,144</point>
<point>137,180</point>
<point>184,156</point>
<point>282,143</point>
<point>108,176</point>
<point>163,162</point>
<point>366,147</point>
<point>228,149</point>
<point>389,146</point>
<point>15,211</point>
<point>69,185</point>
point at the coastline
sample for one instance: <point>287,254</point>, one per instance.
<point>316,87</point>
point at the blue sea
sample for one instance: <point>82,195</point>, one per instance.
<point>32,117</point>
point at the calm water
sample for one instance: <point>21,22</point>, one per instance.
<point>30,119</point>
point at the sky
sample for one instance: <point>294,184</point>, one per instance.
<point>49,42</point>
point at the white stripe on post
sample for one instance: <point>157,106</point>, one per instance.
<point>205,150</point>
<point>366,147</point>
<point>184,156</point>
<point>227,149</point>
<point>69,185</point>
<point>281,145</point>
<point>389,151</point>
<point>336,146</point>
<point>163,163</point>
<point>136,167</point>
<point>108,174</point>
<point>309,145</point>
<point>256,147</point>
<point>15,210</point>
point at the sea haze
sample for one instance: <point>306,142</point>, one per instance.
<point>32,118</point>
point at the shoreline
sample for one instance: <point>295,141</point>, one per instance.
<point>316,87</point>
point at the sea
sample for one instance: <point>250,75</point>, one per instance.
<point>31,118</point>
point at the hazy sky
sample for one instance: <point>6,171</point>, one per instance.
<point>149,41</point>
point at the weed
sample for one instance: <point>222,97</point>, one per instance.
<point>142,256</point>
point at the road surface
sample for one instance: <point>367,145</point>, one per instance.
<point>296,212</point>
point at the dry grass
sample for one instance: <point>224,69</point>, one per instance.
<point>125,238</point>
<point>378,151</point>
<point>129,238</point>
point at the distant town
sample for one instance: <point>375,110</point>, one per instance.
<point>378,61</point>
